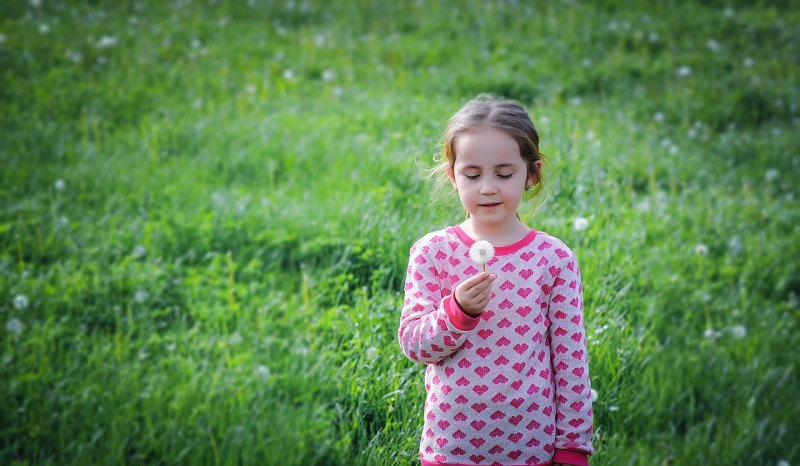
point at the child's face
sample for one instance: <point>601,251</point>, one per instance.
<point>489,174</point>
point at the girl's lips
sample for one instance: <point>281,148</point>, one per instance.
<point>490,205</point>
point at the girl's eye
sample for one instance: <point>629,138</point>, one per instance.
<point>475,177</point>
<point>505,177</point>
<point>472,177</point>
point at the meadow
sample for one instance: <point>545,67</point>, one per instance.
<point>207,209</point>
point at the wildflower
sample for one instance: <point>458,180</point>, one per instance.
<point>653,37</point>
<point>338,91</point>
<point>580,224</point>
<point>44,28</point>
<point>481,252</point>
<point>2,38</point>
<point>328,75</point>
<point>263,372</point>
<point>735,244</point>
<point>14,326</point>
<point>701,249</point>
<point>776,132</point>
<point>658,117</point>
<point>139,251</point>
<point>711,334</point>
<point>748,62</point>
<point>21,302</point>
<point>613,408</point>
<point>586,63</point>
<point>728,12</point>
<point>250,89</point>
<point>738,331</point>
<point>36,3</point>
<point>575,101</point>
<point>106,42</point>
<point>684,71</point>
<point>594,395</point>
<point>73,56</point>
<point>319,40</point>
<point>288,75</point>
<point>141,296</point>
<point>713,45</point>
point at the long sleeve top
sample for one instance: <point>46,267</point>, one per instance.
<point>510,386</point>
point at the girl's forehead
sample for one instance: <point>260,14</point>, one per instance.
<point>486,147</point>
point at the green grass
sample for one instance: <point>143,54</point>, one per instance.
<point>219,279</point>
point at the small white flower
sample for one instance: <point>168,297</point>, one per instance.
<point>728,12</point>
<point>713,45</point>
<point>658,117</point>
<point>575,101</point>
<point>319,40</point>
<point>250,89</point>
<point>684,71</point>
<point>711,334</point>
<point>139,251</point>
<point>739,331</point>
<point>73,56</point>
<point>36,3</point>
<point>263,372</point>
<point>21,302</point>
<point>594,395</point>
<point>106,42</point>
<point>14,326</point>
<point>481,252</point>
<point>141,296</point>
<point>776,132</point>
<point>586,63</point>
<point>748,62</point>
<point>613,408</point>
<point>196,44</point>
<point>328,75</point>
<point>653,37</point>
<point>580,224</point>
<point>701,249</point>
<point>288,75</point>
<point>44,28</point>
<point>2,38</point>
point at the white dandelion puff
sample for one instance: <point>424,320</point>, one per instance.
<point>141,296</point>
<point>738,331</point>
<point>684,71</point>
<point>21,302</point>
<point>36,3</point>
<point>14,326</point>
<point>613,408</point>
<point>713,45</point>
<point>575,101</point>
<point>106,42</point>
<point>139,251</point>
<point>328,75</point>
<point>771,174</point>
<point>481,252</point>
<point>658,117</point>
<point>288,75</point>
<point>44,28</point>
<point>748,62</point>
<point>594,395</point>
<point>263,372</point>
<point>580,224</point>
<point>653,37</point>
<point>783,463</point>
<point>711,334</point>
<point>2,38</point>
<point>701,249</point>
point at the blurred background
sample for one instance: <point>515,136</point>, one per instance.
<point>207,209</point>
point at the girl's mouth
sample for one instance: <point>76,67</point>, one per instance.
<point>490,205</point>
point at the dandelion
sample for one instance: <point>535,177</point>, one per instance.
<point>139,251</point>
<point>613,408</point>
<point>2,38</point>
<point>44,28</point>
<point>288,75</point>
<point>575,101</point>
<point>481,252</point>
<point>701,249</point>
<point>738,331</point>
<point>713,45</point>
<point>580,224</point>
<point>594,395</point>
<point>684,71</point>
<point>73,56</point>
<point>21,302</point>
<point>36,3</point>
<point>250,89</point>
<point>106,42</point>
<point>728,12</point>
<point>141,296</point>
<point>586,63</point>
<point>711,334</point>
<point>328,75</point>
<point>653,37</point>
<point>658,117</point>
<point>14,326</point>
<point>263,372</point>
<point>748,62</point>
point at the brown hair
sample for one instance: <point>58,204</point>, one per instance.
<point>488,111</point>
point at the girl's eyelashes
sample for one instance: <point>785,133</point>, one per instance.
<point>475,177</point>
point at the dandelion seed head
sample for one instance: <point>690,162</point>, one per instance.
<point>701,249</point>
<point>263,372</point>
<point>141,296</point>
<point>613,408</point>
<point>106,42</point>
<point>139,251</point>
<point>288,75</point>
<point>580,224</point>
<point>653,37</point>
<point>748,62</point>
<point>21,302</point>
<point>738,331</point>
<point>2,38</point>
<point>481,252</point>
<point>44,28</point>
<point>328,75</point>
<point>658,117</point>
<point>684,71</point>
<point>14,326</point>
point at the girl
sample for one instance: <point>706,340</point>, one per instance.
<point>507,375</point>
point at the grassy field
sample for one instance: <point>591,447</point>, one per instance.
<point>207,209</point>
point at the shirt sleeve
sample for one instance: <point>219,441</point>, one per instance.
<point>570,362</point>
<point>432,326</point>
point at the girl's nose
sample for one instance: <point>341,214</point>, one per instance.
<point>487,187</point>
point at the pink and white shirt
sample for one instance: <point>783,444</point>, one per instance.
<point>510,387</point>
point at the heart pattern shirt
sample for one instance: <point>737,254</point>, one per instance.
<point>511,386</point>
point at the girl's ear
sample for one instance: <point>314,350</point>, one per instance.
<point>451,175</point>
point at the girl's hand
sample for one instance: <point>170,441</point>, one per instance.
<point>473,294</point>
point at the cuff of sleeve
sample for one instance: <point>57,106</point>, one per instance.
<point>570,457</point>
<point>459,319</point>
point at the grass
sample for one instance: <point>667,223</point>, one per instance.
<point>207,209</point>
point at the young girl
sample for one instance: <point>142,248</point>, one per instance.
<point>507,375</point>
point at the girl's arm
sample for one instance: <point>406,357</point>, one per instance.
<point>432,327</point>
<point>571,366</point>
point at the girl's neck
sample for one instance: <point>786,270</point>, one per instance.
<point>498,235</point>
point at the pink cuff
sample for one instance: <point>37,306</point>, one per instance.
<point>576,458</point>
<point>459,319</point>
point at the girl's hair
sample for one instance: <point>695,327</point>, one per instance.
<point>488,111</point>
